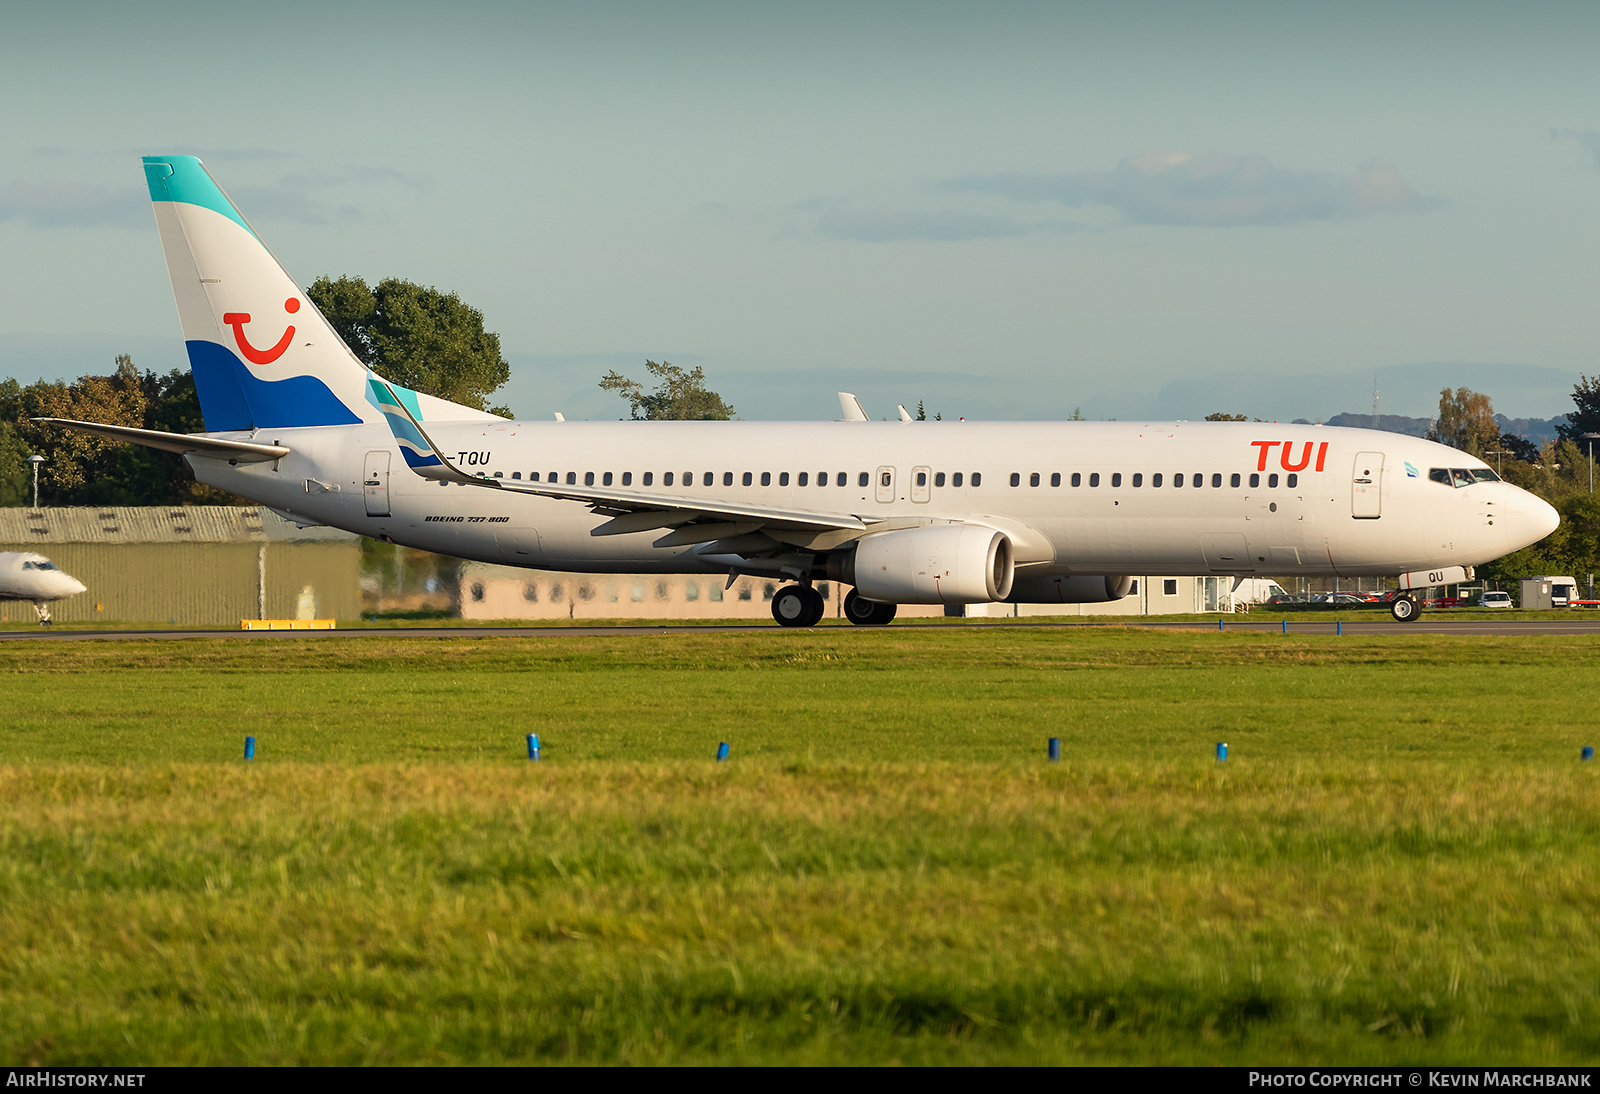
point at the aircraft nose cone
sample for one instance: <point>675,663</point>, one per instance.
<point>1533,519</point>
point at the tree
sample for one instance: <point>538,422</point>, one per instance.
<point>679,397</point>
<point>1466,421</point>
<point>82,469</point>
<point>1219,416</point>
<point>422,338</point>
<point>1586,418</point>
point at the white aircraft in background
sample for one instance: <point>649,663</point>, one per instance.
<point>27,576</point>
<point>906,512</point>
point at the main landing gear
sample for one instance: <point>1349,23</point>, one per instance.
<point>1405,609</point>
<point>797,606</point>
<point>867,613</point>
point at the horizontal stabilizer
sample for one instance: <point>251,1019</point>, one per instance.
<point>181,443</point>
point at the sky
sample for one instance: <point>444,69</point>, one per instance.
<point>1005,211</point>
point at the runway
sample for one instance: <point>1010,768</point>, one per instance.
<point>1364,627</point>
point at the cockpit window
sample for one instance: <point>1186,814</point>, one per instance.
<point>1461,476</point>
<point>45,565</point>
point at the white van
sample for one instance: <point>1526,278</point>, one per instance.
<point>1256,590</point>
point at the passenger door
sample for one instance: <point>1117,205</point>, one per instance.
<point>375,483</point>
<point>1366,486</point>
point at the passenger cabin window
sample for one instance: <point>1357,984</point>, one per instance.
<point>727,479</point>
<point>1055,478</point>
<point>533,476</point>
<point>649,478</point>
<point>1155,480</point>
<point>554,476</point>
<point>977,479</point>
<point>588,478</point>
<point>1216,480</point>
<point>1033,479</point>
<point>766,478</point>
<point>1016,479</point>
<point>748,479</point>
<point>1292,481</point>
<point>572,478</point>
<point>1234,481</point>
<point>1094,478</point>
<point>1177,480</point>
<point>710,478</point>
<point>606,479</point>
<point>1255,481</point>
<point>1116,478</point>
<point>955,479</point>
<point>922,479</point>
<point>842,478</point>
<point>1077,479</point>
<point>783,478</point>
<point>627,478</point>
<point>1138,479</point>
<point>516,474</point>
<point>666,479</point>
<point>1272,480</point>
<point>861,480</point>
<point>938,478</point>
<point>822,478</point>
<point>885,479</point>
<point>801,480</point>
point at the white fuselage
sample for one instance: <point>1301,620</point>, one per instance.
<point>1360,501</point>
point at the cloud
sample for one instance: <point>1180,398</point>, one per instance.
<point>56,204</point>
<point>889,226</point>
<point>1589,138</point>
<point>1211,189</point>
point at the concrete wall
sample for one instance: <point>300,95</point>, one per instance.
<point>506,592</point>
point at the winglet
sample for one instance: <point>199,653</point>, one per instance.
<point>850,407</point>
<point>421,455</point>
<point>905,415</point>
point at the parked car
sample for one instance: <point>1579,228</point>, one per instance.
<point>1495,600</point>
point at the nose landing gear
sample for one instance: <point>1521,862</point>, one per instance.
<point>1405,609</point>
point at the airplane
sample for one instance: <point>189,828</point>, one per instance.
<point>27,576</point>
<point>904,512</point>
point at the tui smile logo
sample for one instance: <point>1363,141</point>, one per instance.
<point>237,320</point>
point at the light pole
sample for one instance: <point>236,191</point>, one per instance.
<point>35,461</point>
<point>1591,438</point>
<point>1499,467</point>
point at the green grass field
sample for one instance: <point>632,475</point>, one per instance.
<point>1398,863</point>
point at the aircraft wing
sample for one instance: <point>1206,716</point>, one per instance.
<point>635,511</point>
<point>181,443</point>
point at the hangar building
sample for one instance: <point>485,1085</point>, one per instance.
<point>197,564</point>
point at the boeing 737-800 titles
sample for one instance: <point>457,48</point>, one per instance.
<point>905,512</point>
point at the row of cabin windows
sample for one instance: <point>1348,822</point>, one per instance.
<point>1196,479</point>
<point>709,478</point>
<point>956,479</point>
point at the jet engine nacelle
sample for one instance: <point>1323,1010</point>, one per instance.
<point>942,564</point>
<point>1069,590</point>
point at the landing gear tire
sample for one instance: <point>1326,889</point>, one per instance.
<point>791,607</point>
<point>867,613</point>
<point>1405,609</point>
<point>816,606</point>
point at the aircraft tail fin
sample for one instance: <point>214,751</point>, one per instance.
<point>262,355</point>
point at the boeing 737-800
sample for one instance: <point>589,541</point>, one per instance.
<point>905,512</point>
